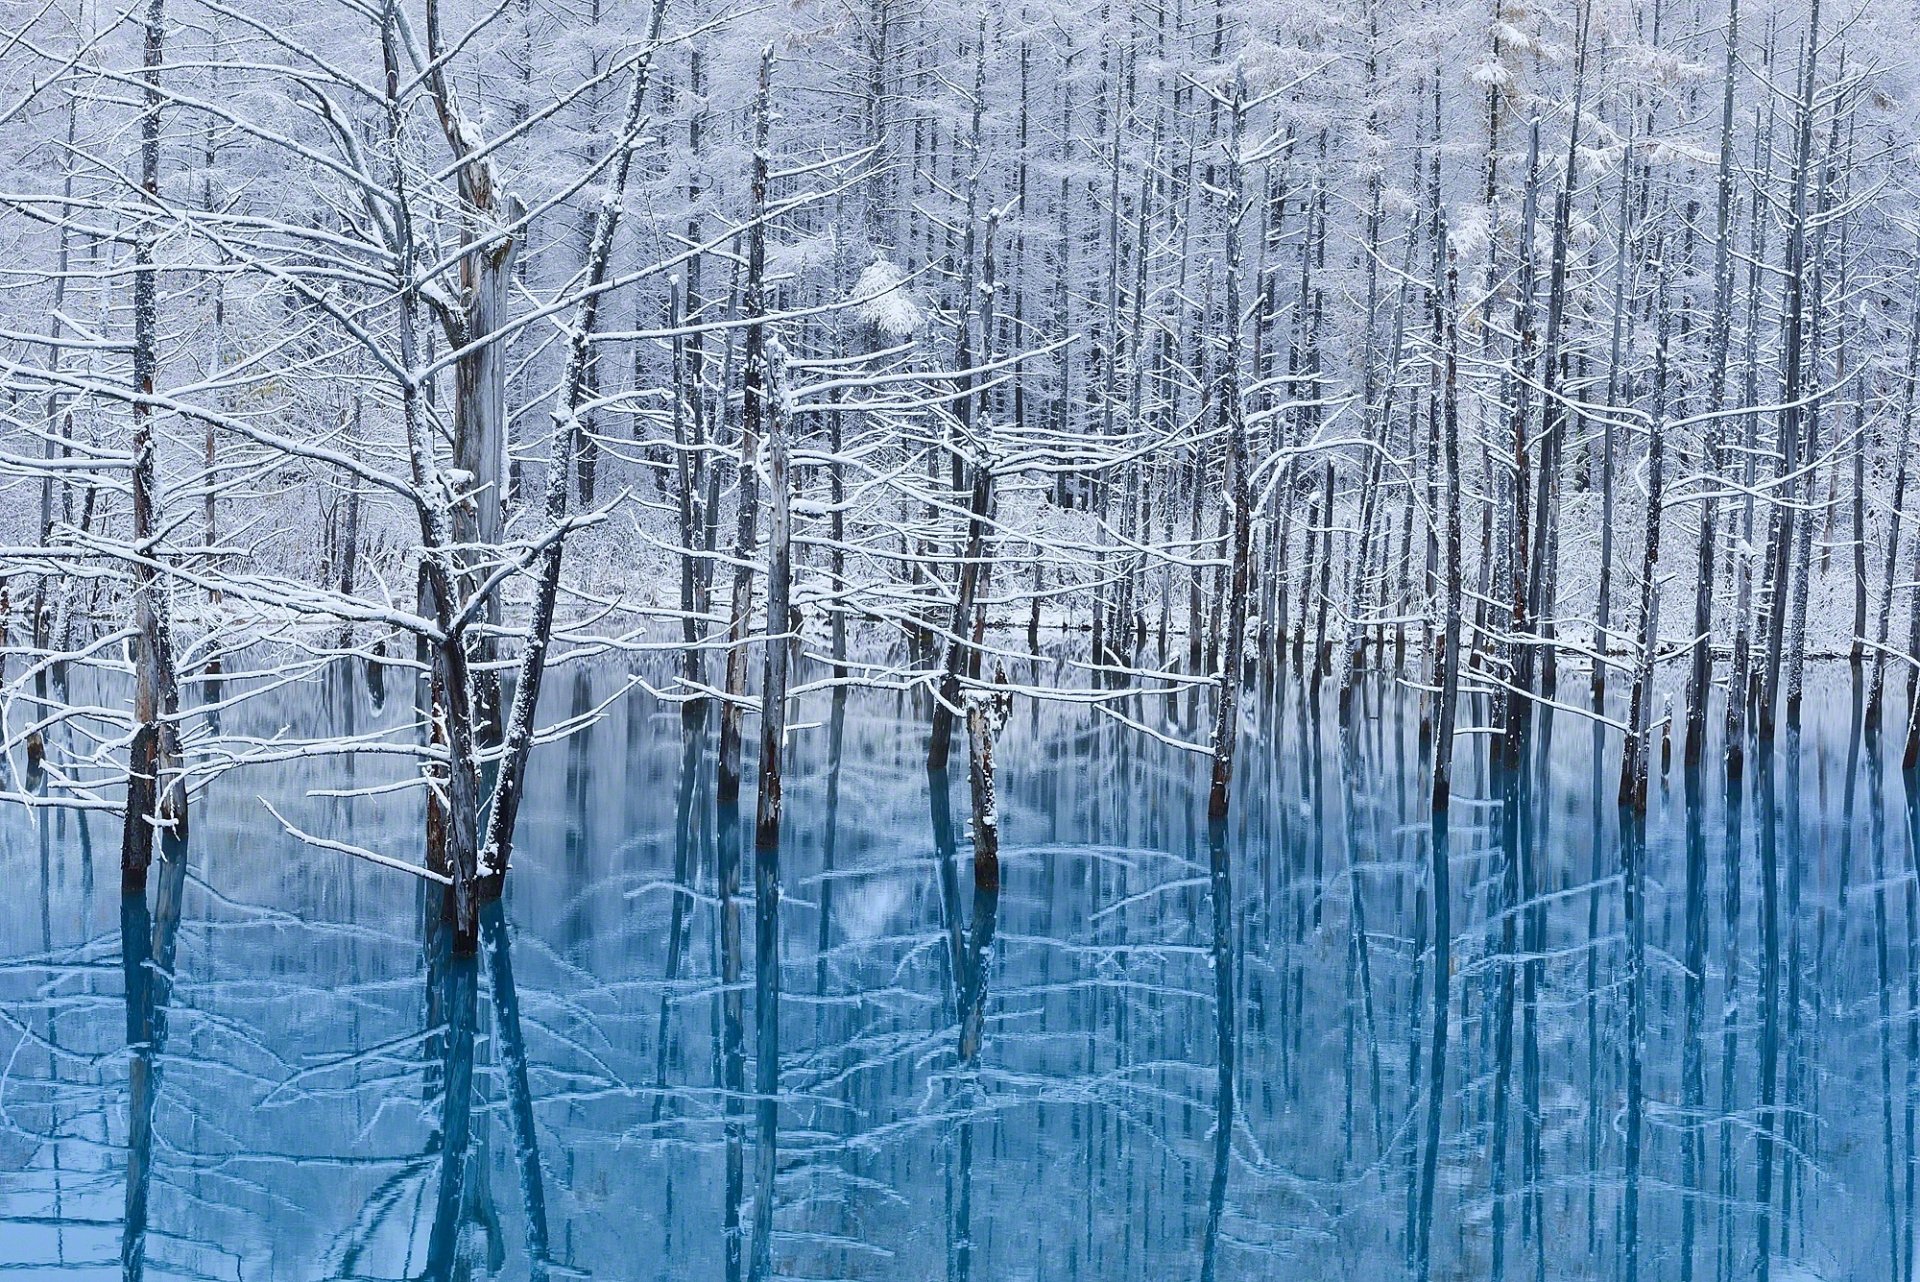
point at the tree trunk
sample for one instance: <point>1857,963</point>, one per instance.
<point>154,794</point>
<point>1226,725</point>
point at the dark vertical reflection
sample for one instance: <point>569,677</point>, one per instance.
<point>1911,787</point>
<point>766,1053</point>
<point>1730,914</point>
<point>377,675</point>
<point>830,840</point>
<point>978,954</point>
<point>1693,1083</point>
<point>1791,1047</point>
<point>454,977</point>
<point>975,962</point>
<point>733,1062</point>
<point>1506,907</point>
<point>944,854</point>
<point>1416,1016</point>
<point>686,820</point>
<point>1355,793</point>
<point>147,947</point>
<point>1597,882</point>
<point>212,688</point>
<point>954,959</point>
<point>1876,818</point>
<point>1633,869</point>
<point>1220,881</point>
<point>1442,907</point>
<point>1536,811</point>
<point>45,828</point>
<point>579,769</point>
<point>1857,740</point>
<point>498,946</point>
<point>1769,1048</point>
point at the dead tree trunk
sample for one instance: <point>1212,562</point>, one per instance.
<point>1226,725</point>
<point>774,672</point>
<point>491,865</point>
<point>1449,699</point>
<point>974,564</point>
<point>474,323</point>
<point>152,796</point>
<point>1700,675</point>
<point>1633,765</point>
<point>1793,380</point>
<point>1876,690</point>
<point>753,396</point>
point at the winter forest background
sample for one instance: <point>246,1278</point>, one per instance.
<point>1398,512</point>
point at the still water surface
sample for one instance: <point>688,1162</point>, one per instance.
<point>1194,1057</point>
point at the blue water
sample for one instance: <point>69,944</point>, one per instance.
<point>268,1068</point>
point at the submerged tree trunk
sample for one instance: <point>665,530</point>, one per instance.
<point>519,731</point>
<point>1700,674</point>
<point>1910,384</point>
<point>154,793</point>
<point>1793,382</point>
<point>1226,727</point>
<point>774,672</point>
<point>1449,694</point>
<point>689,468</point>
<point>1633,765</point>
<point>753,409</point>
<point>773,733</point>
<point>975,564</point>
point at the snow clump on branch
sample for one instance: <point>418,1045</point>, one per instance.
<point>884,301</point>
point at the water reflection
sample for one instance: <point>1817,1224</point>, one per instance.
<point>1226,1042</point>
<point>513,1054</point>
<point>149,940</point>
<point>460,1199</point>
<point>1540,1037</point>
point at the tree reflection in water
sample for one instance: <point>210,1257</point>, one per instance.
<point>1332,1035</point>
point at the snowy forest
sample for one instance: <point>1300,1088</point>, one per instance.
<point>896,638</point>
